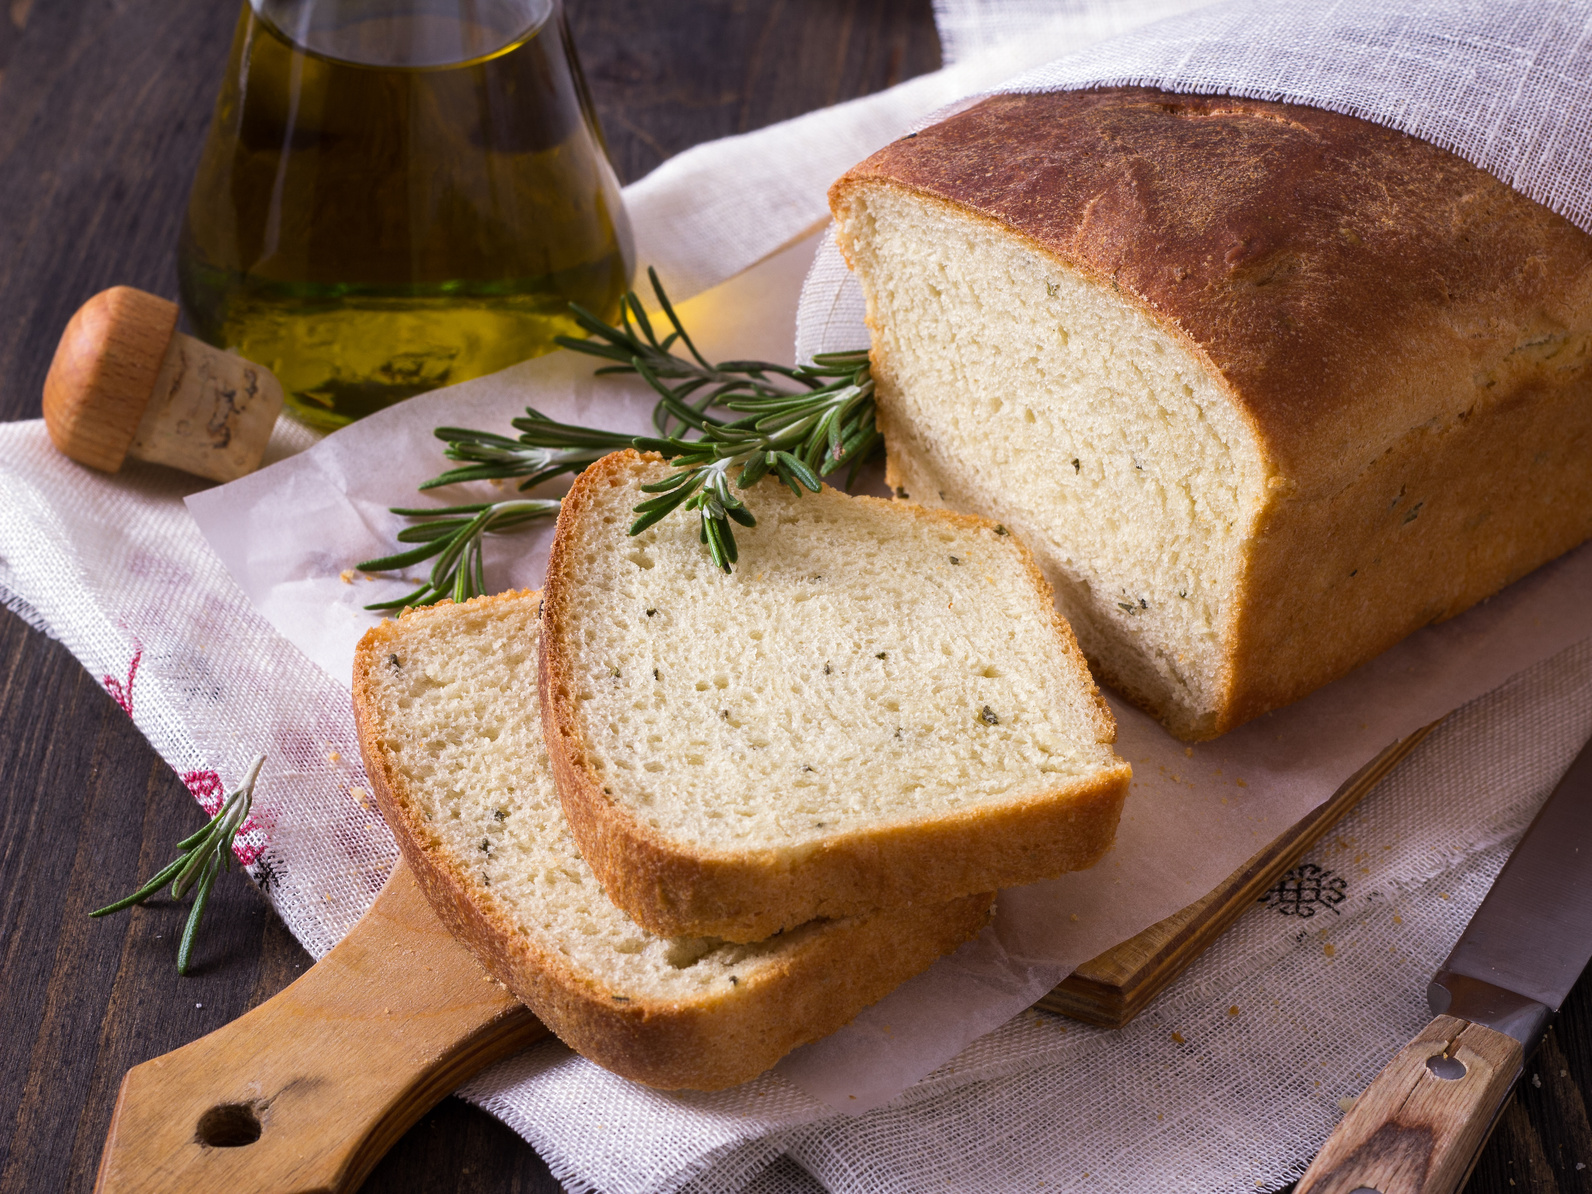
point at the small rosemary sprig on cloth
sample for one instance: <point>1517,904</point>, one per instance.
<point>801,434</point>
<point>198,862</point>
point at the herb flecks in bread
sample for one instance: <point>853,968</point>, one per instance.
<point>848,721</point>
<point>1142,528</point>
<point>445,700</point>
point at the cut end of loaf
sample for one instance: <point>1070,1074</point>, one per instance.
<point>878,707</point>
<point>1079,419</point>
<point>451,735</point>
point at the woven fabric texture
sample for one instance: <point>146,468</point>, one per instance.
<point>1233,1077</point>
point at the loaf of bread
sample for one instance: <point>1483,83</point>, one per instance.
<point>878,708</point>
<point>1266,388</point>
<point>445,701</point>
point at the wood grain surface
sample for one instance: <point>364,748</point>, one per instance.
<point>1417,1127</point>
<point>1113,988</point>
<point>311,1088</point>
<point>103,104</point>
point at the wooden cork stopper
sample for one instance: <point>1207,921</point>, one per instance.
<point>125,382</point>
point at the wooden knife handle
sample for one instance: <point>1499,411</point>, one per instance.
<point>308,1090</point>
<point>1419,1125</point>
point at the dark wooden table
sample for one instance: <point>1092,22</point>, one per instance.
<point>103,104</point>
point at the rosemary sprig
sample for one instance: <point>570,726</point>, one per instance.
<point>800,423</point>
<point>798,437</point>
<point>634,347</point>
<point>198,862</point>
<point>544,450</point>
<point>453,534</point>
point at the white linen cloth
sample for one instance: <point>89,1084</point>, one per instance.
<point>117,570</point>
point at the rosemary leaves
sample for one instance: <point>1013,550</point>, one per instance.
<point>724,427</point>
<point>454,534</point>
<point>799,437</point>
<point>199,860</point>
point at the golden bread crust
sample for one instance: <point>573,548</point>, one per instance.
<point>674,889</point>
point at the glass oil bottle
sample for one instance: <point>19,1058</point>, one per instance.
<point>397,195</point>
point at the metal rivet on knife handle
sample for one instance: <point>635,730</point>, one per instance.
<point>1413,1131</point>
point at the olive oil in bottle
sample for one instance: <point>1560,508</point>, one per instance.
<point>397,195</point>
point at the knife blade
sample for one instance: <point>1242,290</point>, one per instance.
<point>1419,1125</point>
<point>1532,936</point>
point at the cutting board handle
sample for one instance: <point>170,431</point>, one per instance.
<point>308,1090</point>
<point>1421,1122</point>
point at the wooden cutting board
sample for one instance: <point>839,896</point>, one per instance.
<point>1113,988</point>
<point>308,1090</point>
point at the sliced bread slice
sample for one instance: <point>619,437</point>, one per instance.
<point>878,707</point>
<point>445,700</point>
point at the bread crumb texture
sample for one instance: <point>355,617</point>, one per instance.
<point>1079,421</point>
<point>865,665</point>
<point>461,729</point>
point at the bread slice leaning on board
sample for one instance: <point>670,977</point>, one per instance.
<point>445,702</point>
<point>1265,387</point>
<point>878,708</point>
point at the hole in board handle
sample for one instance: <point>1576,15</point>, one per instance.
<point>228,1125</point>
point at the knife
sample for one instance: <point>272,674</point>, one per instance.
<point>1420,1124</point>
